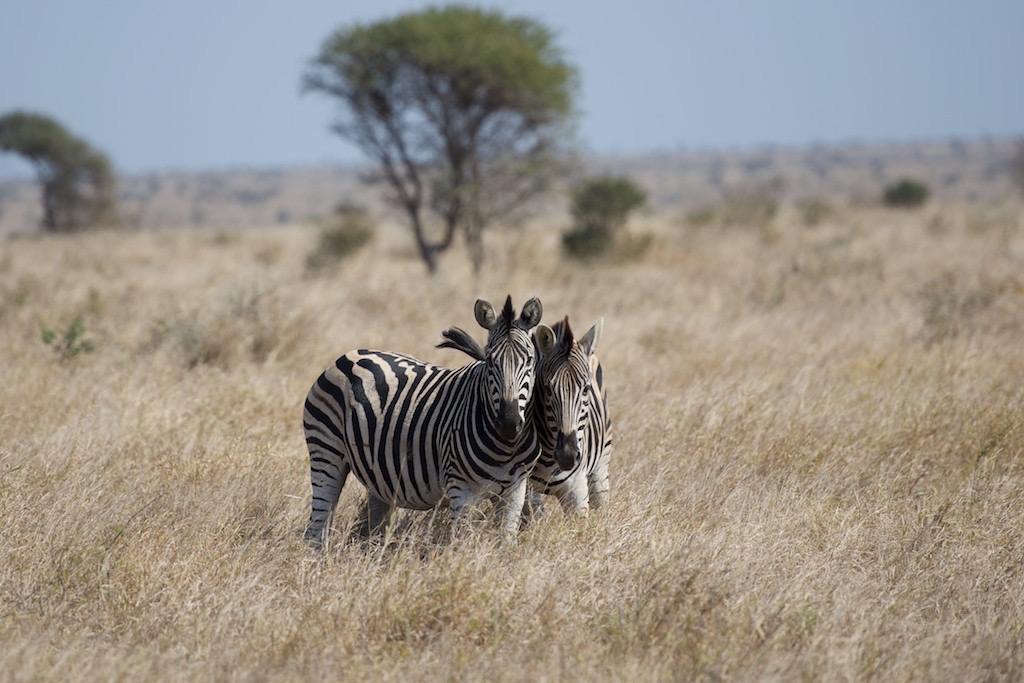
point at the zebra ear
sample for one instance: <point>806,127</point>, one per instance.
<point>484,312</point>
<point>545,339</point>
<point>588,343</point>
<point>532,311</point>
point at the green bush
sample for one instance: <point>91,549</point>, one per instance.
<point>905,193</point>
<point>600,207</point>
<point>71,342</point>
<point>347,232</point>
<point>584,243</point>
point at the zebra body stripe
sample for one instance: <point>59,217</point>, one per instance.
<point>571,410</point>
<point>587,483</point>
<point>412,432</point>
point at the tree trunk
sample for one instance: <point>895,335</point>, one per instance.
<point>50,208</point>
<point>428,252</point>
<point>475,244</point>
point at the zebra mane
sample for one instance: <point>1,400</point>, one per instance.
<point>508,313</point>
<point>563,340</point>
<point>460,340</point>
<point>563,332</point>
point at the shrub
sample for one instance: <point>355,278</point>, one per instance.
<point>600,207</point>
<point>584,243</point>
<point>245,325</point>
<point>349,231</point>
<point>905,193</point>
<point>71,342</point>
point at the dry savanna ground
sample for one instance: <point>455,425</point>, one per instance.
<point>817,474</point>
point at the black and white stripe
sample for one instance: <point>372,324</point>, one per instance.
<point>413,432</point>
<point>571,412</point>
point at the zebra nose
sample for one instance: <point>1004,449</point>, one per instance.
<point>509,420</point>
<point>567,452</point>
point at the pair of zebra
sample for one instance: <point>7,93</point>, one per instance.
<point>413,432</point>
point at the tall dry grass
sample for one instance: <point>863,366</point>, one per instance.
<point>818,466</point>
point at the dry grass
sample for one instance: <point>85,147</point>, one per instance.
<point>818,468</point>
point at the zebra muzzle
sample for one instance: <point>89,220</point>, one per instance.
<point>567,452</point>
<point>509,422</point>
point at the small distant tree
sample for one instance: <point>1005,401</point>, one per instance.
<point>76,180</point>
<point>466,112</point>
<point>600,207</point>
<point>905,193</point>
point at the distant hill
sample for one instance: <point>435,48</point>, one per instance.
<point>955,170</point>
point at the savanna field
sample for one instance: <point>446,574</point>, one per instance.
<point>817,475</point>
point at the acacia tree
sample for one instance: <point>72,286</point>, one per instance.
<point>76,180</point>
<point>466,112</point>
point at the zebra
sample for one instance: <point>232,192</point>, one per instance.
<point>571,411</point>
<point>413,432</point>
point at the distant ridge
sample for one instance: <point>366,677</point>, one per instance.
<point>955,170</point>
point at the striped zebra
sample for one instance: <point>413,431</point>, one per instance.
<point>412,432</point>
<point>571,412</point>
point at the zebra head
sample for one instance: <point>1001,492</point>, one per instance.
<point>563,389</point>
<point>510,361</point>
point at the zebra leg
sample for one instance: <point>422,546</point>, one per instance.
<point>509,509</point>
<point>534,509</point>
<point>375,516</point>
<point>465,506</point>
<point>459,502</point>
<point>574,495</point>
<point>600,488</point>
<point>327,477</point>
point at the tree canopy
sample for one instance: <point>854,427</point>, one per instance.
<point>603,203</point>
<point>77,181</point>
<point>600,206</point>
<point>466,111</point>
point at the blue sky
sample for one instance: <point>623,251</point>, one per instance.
<point>205,85</point>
